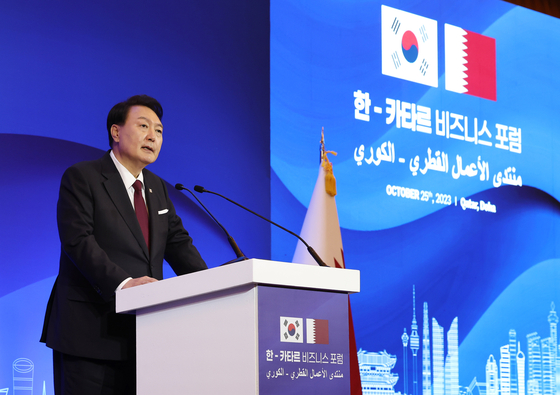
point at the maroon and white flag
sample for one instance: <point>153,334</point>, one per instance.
<point>321,229</point>
<point>317,331</point>
<point>470,63</point>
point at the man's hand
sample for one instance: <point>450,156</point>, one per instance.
<point>139,281</point>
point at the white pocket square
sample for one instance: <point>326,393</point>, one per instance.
<point>164,211</point>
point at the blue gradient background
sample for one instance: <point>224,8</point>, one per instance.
<point>64,65</point>
<point>495,272</point>
<point>245,121</point>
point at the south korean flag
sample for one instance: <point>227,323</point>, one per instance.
<point>291,330</point>
<point>409,48</point>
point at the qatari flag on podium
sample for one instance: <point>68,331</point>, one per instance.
<point>470,63</point>
<point>317,331</point>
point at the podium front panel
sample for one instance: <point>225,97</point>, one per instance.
<point>303,341</point>
<point>205,345</point>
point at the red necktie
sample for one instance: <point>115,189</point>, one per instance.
<point>141,212</point>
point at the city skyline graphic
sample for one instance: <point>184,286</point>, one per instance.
<point>23,372</point>
<point>523,365</point>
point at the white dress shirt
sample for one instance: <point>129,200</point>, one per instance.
<point>128,180</point>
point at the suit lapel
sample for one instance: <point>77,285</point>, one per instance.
<point>118,194</point>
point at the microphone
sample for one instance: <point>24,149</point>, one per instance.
<point>232,243</point>
<point>314,254</point>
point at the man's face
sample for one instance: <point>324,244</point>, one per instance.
<point>137,142</point>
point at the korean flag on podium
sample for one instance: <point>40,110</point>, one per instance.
<point>291,329</point>
<point>409,47</point>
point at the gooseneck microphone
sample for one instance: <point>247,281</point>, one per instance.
<point>232,243</point>
<point>314,254</point>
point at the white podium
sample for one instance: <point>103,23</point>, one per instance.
<point>251,327</point>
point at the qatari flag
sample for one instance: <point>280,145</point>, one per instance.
<point>317,331</point>
<point>470,63</point>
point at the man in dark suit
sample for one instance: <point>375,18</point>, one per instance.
<point>115,233</point>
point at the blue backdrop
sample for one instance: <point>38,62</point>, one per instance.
<point>411,174</point>
<point>64,65</point>
<point>234,128</point>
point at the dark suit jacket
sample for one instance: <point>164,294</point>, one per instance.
<point>102,245</point>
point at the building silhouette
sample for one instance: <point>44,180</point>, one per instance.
<point>426,360</point>
<point>520,370</point>
<point>547,367</point>
<point>375,372</point>
<point>534,380</point>
<point>23,371</point>
<point>414,344</point>
<point>438,360</point>
<point>404,339</point>
<point>492,377</point>
<point>505,366</point>
<point>553,323</point>
<point>452,359</point>
<point>513,362</point>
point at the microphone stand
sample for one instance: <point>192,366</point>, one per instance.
<point>310,249</point>
<point>232,243</point>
